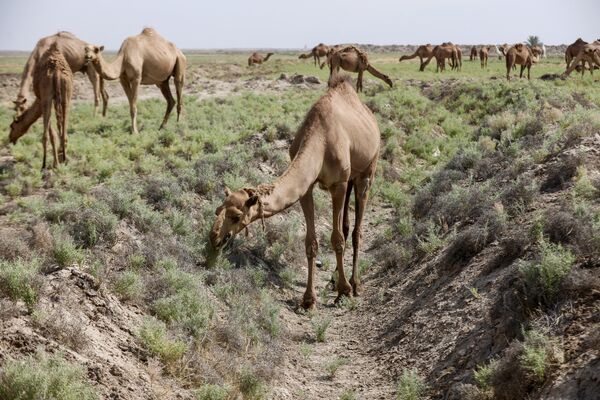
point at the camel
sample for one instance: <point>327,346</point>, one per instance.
<point>336,148</point>
<point>483,56</point>
<point>502,49</point>
<point>52,85</point>
<point>73,50</point>
<point>423,52</point>
<point>572,51</point>
<point>316,53</point>
<point>537,53</point>
<point>443,51</point>
<point>144,59</point>
<point>352,59</point>
<point>256,58</point>
<point>589,53</point>
<point>519,54</point>
<point>473,54</point>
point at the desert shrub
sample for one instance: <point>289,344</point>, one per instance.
<point>162,192</point>
<point>320,326</point>
<point>187,308</point>
<point>12,247</point>
<point>483,375</point>
<point>129,285</point>
<point>212,392</point>
<point>519,195</point>
<point>41,377</point>
<point>410,386</point>
<point>335,364</point>
<point>537,349</point>
<point>251,386</point>
<point>560,173</point>
<point>63,327</point>
<point>348,394</point>
<point>153,335</point>
<point>431,240</point>
<point>18,280</point>
<point>92,225</point>
<point>542,278</point>
<point>65,250</point>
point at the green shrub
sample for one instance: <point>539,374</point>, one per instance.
<point>212,392</point>
<point>410,386</point>
<point>348,394</point>
<point>334,365</point>
<point>483,375</point>
<point>129,285</point>
<point>17,280</point>
<point>153,335</point>
<point>44,377</point>
<point>251,385</point>
<point>320,326</point>
<point>187,308</point>
<point>65,251</point>
<point>537,353</point>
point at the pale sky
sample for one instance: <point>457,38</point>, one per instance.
<point>216,24</point>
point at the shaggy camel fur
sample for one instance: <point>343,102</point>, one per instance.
<point>473,54</point>
<point>256,58</point>
<point>352,59</point>
<point>589,53</point>
<point>336,148</point>
<point>423,52</point>
<point>53,86</point>
<point>483,56</point>
<point>519,54</point>
<point>144,59</point>
<point>316,53</point>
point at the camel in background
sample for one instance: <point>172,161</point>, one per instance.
<point>144,59</point>
<point>336,148</point>
<point>483,56</point>
<point>258,59</point>
<point>589,53</point>
<point>442,52</point>
<point>519,54</point>
<point>572,51</point>
<point>53,86</point>
<point>423,52</point>
<point>473,54</point>
<point>316,53</point>
<point>352,59</point>
<point>501,50</point>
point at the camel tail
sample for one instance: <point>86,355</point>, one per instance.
<point>380,75</point>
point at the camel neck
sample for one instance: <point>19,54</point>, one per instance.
<point>297,179</point>
<point>29,116</point>
<point>109,71</point>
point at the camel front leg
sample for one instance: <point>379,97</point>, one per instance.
<point>166,91</point>
<point>346,219</point>
<point>338,195</point>
<point>95,81</point>
<point>131,88</point>
<point>312,247</point>
<point>104,94</point>
<point>361,195</point>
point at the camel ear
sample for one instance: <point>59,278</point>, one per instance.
<point>99,49</point>
<point>251,201</point>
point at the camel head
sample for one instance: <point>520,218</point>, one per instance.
<point>238,210</point>
<point>593,52</point>
<point>16,129</point>
<point>19,106</point>
<point>92,53</point>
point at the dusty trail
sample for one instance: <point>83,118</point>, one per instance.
<point>304,374</point>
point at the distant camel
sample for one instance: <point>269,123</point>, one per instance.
<point>144,59</point>
<point>519,54</point>
<point>423,52</point>
<point>53,86</point>
<point>316,53</point>
<point>572,51</point>
<point>483,56</point>
<point>256,58</point>
<point>352,59</point>
<point>502,49</point>
<point>589,53</point>
<point>473,54</point>
<point>441,53</point>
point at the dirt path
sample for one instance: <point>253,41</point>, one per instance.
<point>304,372</point>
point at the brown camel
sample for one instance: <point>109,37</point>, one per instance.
<point>256,58</point>
<point>352,59</point>
<point>144,59</point>
<point>589,53</point>
<point>483,55</point>
<point>519,54</point>
<point>316,53</point>
<point>502,49</point>
<point>336,148</point>
<point>52,85</point>
<point>572,52</point>
<point>423,52</point>
<point>443,51</point>
<point>473,54</point>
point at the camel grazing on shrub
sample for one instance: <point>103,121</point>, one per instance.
<point>257,59</point>
<point>589,53</point>
<point>573,51</point>
<point>519,54</point>
<point>352,59</point>
<point>483,56</point>
<point>53,86</point>
<point>316,53</point>
<point>144,59</point>
<point>336,148</point>
<point>423,52</point>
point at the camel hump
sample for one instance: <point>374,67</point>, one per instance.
<point>148,31</point>
<point>65,34</point>
<point>338,80</point>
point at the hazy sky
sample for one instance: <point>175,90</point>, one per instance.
<point>286,24</point>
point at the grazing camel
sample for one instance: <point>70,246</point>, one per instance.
<point>144,59</point>
<point>423,52</point>
<point>316,53</point>
<point>519,54</point>
<point>473,54</point>
<point>589,53</point>
<point>53,86</point>
<point>256,58</point>
<point>443,51</point>
<point>352,59</point>
<point>483,56</point>
<point>336,148</point>
<point>572,51</point>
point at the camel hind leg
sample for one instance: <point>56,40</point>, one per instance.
<point>179,78</point>
<point>361,196</point>
<point>166,91</point>
<point>312,247</point>
<point>338,195</point>
<point>380,75</point>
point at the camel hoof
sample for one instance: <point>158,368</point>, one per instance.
<point>341,296</point>
<point>356,290</point>
<point>309,303</point>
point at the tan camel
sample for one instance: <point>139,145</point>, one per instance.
<point>336,148</point>
<point>316,53</point>
<point>256,58</point>
<point>519,54</point>
<point>572,52</point>
<point>352,59</point>
<point>443,51</point>
<point>144,59</point>
<point>483,56</point>
<point>502,50</point>
<point>589,53</point>
<point>473,54</point>
<point>423,52</point>
<point>53,86</point>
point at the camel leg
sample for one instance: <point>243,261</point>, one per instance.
<point>104,94</point>
<point>95,81</point>
<point>346,219</point>
<point>359,86</point>
<point>521,73</point>
<point>131,88</point>
<point>47,109</point>
<point>54,143</point>
<point>426,63</point>
<point>62,126</point>
<point>179,80</point>
<point>338,195</point>
<point>166,91</point>
<point>529,72</point>
<point>361,195</point>
<point>312,247</point>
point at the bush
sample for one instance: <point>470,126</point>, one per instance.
<point>334,365</point>
<point>129,285</point>
<point>65,251</point>
<point>187,308</point>
<point>153,335</point>
<point>320,326</point>
<point>483,375</point>
<point>42,377</point>
<point>18,280</point>
<point>410,386</point>
<point>212,392</point>
<point>251,386</point>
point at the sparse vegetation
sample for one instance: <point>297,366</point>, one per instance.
<point>333,366</point>
<point>320,326</point>
<point>18,280</point>
<point>410,386</point>
<point>154,336</point>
